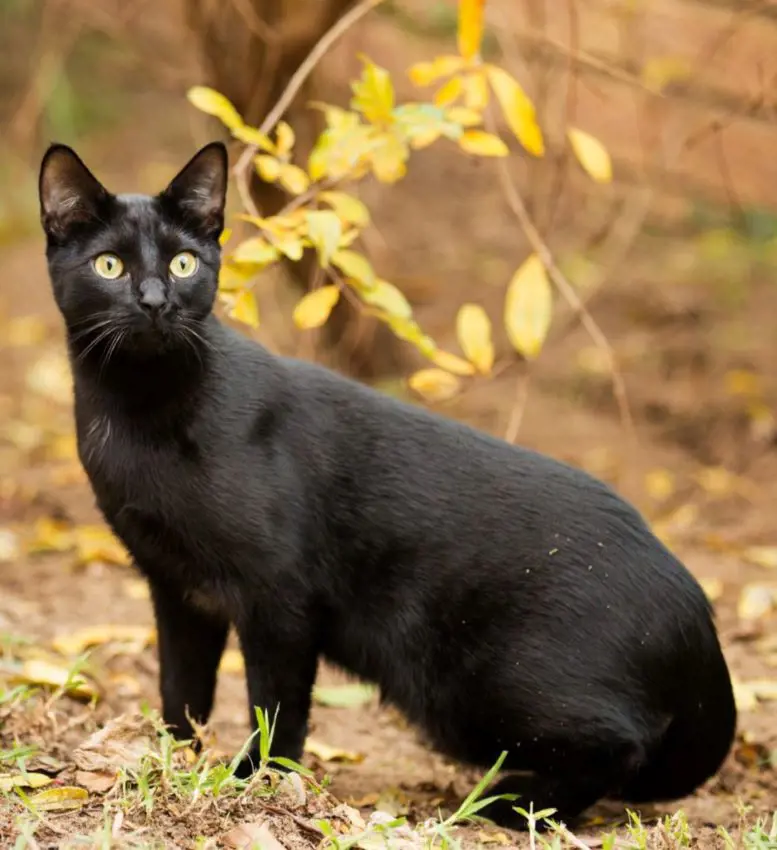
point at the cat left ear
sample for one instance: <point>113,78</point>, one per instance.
<point>70,195</point>
<point>199,190</point>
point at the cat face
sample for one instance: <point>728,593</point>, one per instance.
<point>133,273</point>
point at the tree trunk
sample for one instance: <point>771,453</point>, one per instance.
<point>250,50</point>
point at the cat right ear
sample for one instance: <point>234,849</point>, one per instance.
<point>69,193</point>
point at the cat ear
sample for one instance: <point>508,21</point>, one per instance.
<point>199,190</point>
<point>69,193</point>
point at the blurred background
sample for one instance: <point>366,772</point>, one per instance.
<point>676,260</point>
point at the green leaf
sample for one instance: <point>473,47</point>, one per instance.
<point>343,696</point>
<point>214,103</point>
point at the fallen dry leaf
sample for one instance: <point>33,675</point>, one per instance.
<point>232,661</point>
<point>488,837</point>
<point>325,752</point>
<point>249,836</point>
<point>9,546</point>
<point>96,781</point>
<point>47,674</point>
<point>343,696</point>
<point>62,799</point>
<point>122,742</point>
<point>77,642</point>
<point>761,556</point>
<point>712,587</point>
<point>756,601</point>
<point>23,780</point>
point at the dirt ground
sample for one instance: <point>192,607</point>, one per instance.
<point>694,328</point>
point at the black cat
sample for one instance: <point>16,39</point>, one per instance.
<point>501,599</point>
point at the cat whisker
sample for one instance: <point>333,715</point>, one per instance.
<point>99,338</point>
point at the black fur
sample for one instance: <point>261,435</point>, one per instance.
<point>502,600</point>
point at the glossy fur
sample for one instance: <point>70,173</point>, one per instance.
<point>501,599</point>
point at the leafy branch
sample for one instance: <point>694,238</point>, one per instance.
<point>374,138</point>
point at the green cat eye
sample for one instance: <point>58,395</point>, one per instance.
<point>183,264</point>
<point>108,266</point>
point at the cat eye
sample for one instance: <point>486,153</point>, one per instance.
<point>183,264</point>
<point>108,266</point>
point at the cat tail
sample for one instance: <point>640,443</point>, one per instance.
<point>697,740</point>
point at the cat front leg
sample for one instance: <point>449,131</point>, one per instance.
<point>191,642</point>
<point>281,657</point>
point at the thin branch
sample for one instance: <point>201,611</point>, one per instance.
<point>519,406</point>
<point>541,249</point>
<point>324,44</point>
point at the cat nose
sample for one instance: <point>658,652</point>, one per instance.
<point>152,296</point>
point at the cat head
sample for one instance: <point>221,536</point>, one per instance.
<point>133,273</point>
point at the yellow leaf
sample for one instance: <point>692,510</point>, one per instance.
<point>226,233</point>
<point>293,179</point>
<point>659,484</point>
<point>712,587</point>
<point>83,639</point>
<point>290,247</point>
<point>434,384</point>
<point>470,29</point>
<point>61,799</point>
<point>388,160</point>
<point>284,138</point>
<point>385,296</point>
<point>355,266</point>
<point>449,92</point>
<point>480,143</point>
<point>245,309</point>
<point>528,308</point>
<point>257,251</point>
<point>476,94</point>
<point>473,330</point>
<point>327,753</point>
<point>756,601</point>
<point>268,167</point>
<point>744,383</point>
<point>349,209</point>
<point>591,154</point>
<point>28,780</point>
<point>424,73</point>
<point>517,109</point>
<point>96,543</point>
<point>313,309</point>
<point>38,671</point>
<point>252,136</point>
<point>214,103</point>
<point>463,116</point>
<point>232,661</point>
<point>343,696</point>
<point>373,93</point>
<point>660,71</point>
<point>762,556</point>
<point>451,363</point>
<point>423,138</point>
<point>324,231</point>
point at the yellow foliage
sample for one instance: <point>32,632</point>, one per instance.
<point>528,308</point>
<point>517,109</point>
<point>313,309</point>
<point>481,143</point>
<point>470,29</point>
<point>243,308</point>
<point>473,329</point>
<point>434,384</point>
<point>591,154</point>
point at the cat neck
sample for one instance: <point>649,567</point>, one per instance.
<point>144,384</point>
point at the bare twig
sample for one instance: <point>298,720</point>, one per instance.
<point>519,406</point>
<point>324,44</point>
<point>565,288</point>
